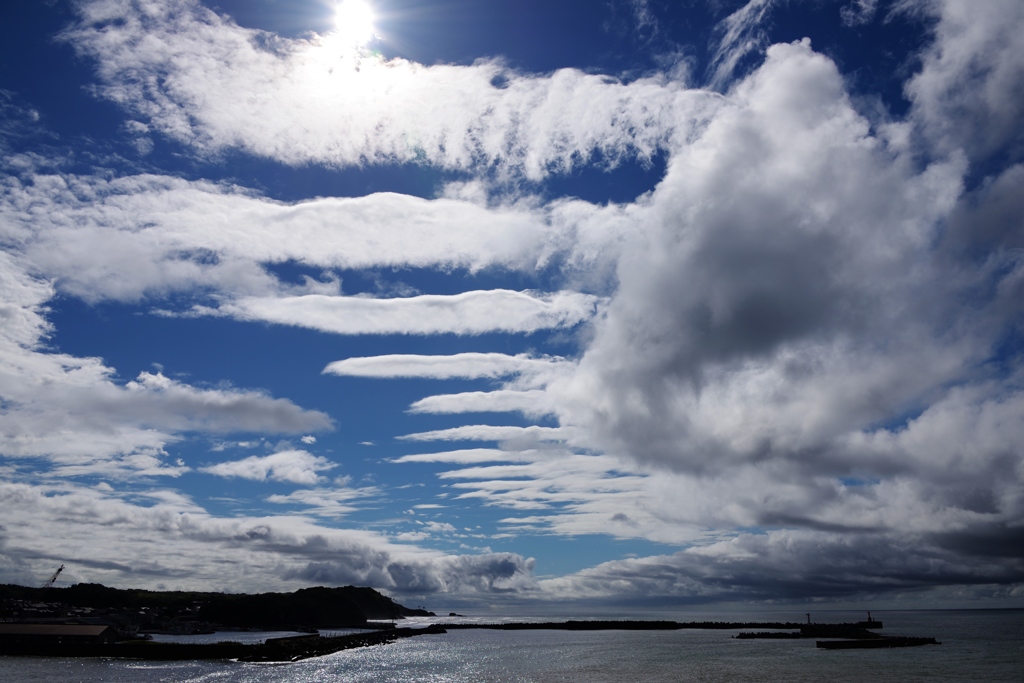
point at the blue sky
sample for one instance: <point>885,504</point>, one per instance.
<point>492,303</point>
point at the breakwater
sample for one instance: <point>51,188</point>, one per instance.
<point>855,635</point>
<point>873,643</point>
<point>847,636</point>
<point>852,631</point>
<point>625,625</point>
<point>273,650</point>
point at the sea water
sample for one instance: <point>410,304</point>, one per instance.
<point>982,645</point>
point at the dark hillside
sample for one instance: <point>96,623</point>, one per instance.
<point>305,608</point>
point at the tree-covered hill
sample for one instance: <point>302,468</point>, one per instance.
<point>308,607</point>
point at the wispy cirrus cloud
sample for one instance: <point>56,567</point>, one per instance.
<point>738,37</point>
<point>333,502</point>
<point>207,66</point>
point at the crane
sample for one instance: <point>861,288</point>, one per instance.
<point>53,579</point>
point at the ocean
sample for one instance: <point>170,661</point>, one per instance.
<point>977,645</point>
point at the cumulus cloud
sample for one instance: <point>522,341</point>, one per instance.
<point>788,340</point>
<point>966,94</point>
<point>296,467</point>
<point>789,248</point>
<point>101,533</point>
<point>802,328</point>
<point>72,412</point>
<point>487,574</point>
<point>789,564</point>
<point>22,308</point>
<point>75,414</point>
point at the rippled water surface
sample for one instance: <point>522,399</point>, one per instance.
<point>976,645</point>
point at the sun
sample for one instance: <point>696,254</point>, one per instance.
<point>354,21</point>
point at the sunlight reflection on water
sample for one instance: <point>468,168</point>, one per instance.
<point>976,646</point>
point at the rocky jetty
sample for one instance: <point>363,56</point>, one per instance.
<point>624,625</point>
<point>273,650</point>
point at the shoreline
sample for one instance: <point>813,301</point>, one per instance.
<point>297,647</point>
<point>287,649</point>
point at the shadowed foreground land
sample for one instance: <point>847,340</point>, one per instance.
<point>90,620</point>
<point>274,650</point>
<point>295,648</point>
<point>134,610</point>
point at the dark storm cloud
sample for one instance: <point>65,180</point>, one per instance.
<point>793,565</point>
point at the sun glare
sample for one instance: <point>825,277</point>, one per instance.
<point>353,21</point>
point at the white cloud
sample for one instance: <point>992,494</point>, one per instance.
<point>467,456</point>
<point>858,12</point>
<point>147,236</point>
<point>205,81</point>
<point>324,502</point>
<point>534,403</point>
<point>467,313</point>
<point>802,329</point>
<point>80,414</point>
<point>459,365</point>
<point>98,535</point>
<point>784,564</point>
<point>73,413</point>
<point>790,295</point>
<point>141,238</point>
<point>490,433</point>
<point>738,36</point>
<point>296,467</point>
<point>966,95</point>
<point>791,248</point>
<point>21,308</point>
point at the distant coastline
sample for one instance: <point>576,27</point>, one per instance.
<point>133,611</point>
<point>91,620</point>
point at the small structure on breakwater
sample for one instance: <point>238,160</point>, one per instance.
<point>858,635</point>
